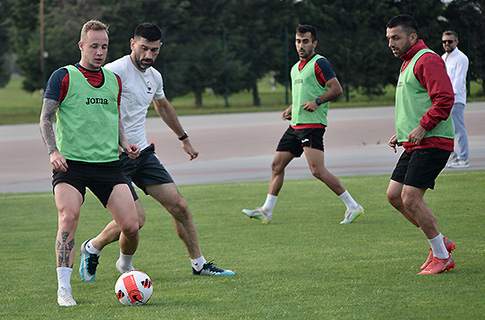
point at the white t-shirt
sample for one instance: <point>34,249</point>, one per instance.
<point>457,67</point>
<point>138,90</point>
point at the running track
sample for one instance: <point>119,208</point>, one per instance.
<point>240,147</point>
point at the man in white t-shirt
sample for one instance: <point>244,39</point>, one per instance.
<point>457,67</point>
<point>142,84</point>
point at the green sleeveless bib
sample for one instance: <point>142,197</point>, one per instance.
<point>87,119</point>
<point>412,102</point>
<point>305,87</point>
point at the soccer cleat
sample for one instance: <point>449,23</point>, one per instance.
<point>121,269</point>
<point>64,297</point>
<point>258,214</point>
<point>351,215</point>
<point>210,269</point>
<point>89,262</point>
<point>450,246</point>
<point>439,266</point>
<point>456,164</point>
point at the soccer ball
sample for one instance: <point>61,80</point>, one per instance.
<point>134,288</point>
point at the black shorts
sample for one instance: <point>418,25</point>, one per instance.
<point>144,170</point>
<point>293,140</point>
<point>420,167</point>
<point>100,178</point>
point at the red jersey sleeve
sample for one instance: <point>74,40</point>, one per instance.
<point>119,92</point>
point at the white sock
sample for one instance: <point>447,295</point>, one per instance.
<point>269,204</point>
<point>438,246</point>
<point>348,200</point>
<point>91,249</point>
<point>64,277</point>
<point>125,261</point>
<point>198,263</point>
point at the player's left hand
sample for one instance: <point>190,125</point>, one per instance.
<point>132,150</point>
<point>310,106</point>
<point>417,135</point>
<point>187,146</point>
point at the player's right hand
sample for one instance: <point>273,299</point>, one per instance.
<point>58,162</point>
<point>132,150</point>
<point>286,115</point>
<point>393,143</point>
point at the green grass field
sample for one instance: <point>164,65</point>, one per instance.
<point>304,265</point>
<point>18,106</point>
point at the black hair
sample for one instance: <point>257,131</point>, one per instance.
<point>451,33</point>
<point>304,28</point>
<point>406,22</point>
<point>149,31</point>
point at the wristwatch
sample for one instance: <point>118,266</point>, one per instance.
<point>185,136</point>
<point>318,101</point>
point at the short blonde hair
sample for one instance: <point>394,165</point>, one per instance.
<point>93,25</point>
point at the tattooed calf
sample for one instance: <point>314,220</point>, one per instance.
<point>64,250</point>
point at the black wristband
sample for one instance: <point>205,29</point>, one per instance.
<point>185,136</point>
<point>318,101</point>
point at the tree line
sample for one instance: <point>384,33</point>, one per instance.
<point>228,45</point>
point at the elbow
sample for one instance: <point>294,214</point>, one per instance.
<point>339,92</point>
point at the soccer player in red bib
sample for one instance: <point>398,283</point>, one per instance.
<point>314,85</point>
<point>84,151</point>
<point>424,99</point>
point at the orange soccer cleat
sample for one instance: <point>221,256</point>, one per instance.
<point>439,266</point>
<point>450,246</point>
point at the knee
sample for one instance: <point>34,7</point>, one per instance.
<point>276,167</point>
<point>130,230</point>
<point>320,172</point>
<point>317,173</point>
<point>68,218</point>
<point>393,198</point>
<point>129,226</point>
<point>179,209</point>
<point>409,202</point>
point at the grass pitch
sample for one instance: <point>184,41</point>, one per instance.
<point>304,265</point>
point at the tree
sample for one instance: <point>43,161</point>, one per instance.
<point>351,33</point>
<point>62,26</point>
<point>23,17</point>
<point>195,47</point>
<point>256,29</point>
<point>5,70</point>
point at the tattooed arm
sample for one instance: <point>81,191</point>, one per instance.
<point>49,108</point>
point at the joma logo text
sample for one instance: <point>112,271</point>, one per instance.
<point>96,101</point>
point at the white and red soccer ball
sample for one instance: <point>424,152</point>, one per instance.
<point>134,288</point>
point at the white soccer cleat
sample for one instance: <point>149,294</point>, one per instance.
<point>64,297</point>
<point>121,268</point>
<point>351,215</point>
<point>258,214</point>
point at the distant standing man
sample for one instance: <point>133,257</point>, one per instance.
<point>424,98</point>
<point>457,67</point>
<point>143,84</point>
<point>84,152</point>
<point>314,85</point>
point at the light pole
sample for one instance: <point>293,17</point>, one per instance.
<point>42,51</point>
